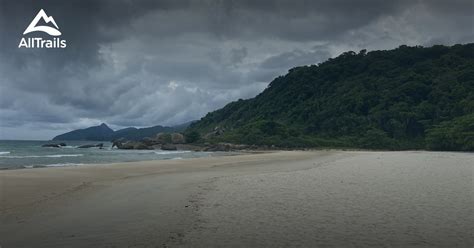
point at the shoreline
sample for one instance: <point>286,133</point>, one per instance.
<point>72,164</point>
<point>96,172</point>
<point>219,154</point>
<point>292,198</point>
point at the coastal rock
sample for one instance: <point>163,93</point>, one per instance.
<point>129,145</point>
<point>100,145</point>
<point>141,146</point>
<point>149,141</point>
<point>118,142</point>
<point>216,132</point>
<point>163,138</point>
<point>51,145</point>
<point>86,146</point>
<point>169,147</point>
<point>177,138</point>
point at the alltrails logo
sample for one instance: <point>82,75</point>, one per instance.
<point>38,42</point>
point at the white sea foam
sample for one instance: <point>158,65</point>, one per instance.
<point>52,165</point>
<point>69,147</point>
<point>63,164</point>
<point>63,155</point>
<point>169,152</point>
<point>45,156</point>
<point>2,153</point>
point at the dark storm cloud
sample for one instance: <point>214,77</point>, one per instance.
<point>140,63</point>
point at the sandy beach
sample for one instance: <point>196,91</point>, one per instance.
<point>277,199</point>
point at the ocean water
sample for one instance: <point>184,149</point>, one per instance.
<point>30,154</point>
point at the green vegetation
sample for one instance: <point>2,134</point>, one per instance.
<point>455,135</point>
<point>192,136</point>
<point>406,98</point>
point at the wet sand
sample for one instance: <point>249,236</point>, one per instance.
<point>280,199</point>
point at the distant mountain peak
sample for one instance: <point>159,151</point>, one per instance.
<point>103,125</point>
<point>96,133</point>
<point>103,132</point>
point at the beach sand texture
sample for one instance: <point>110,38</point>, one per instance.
<point>278,199</point>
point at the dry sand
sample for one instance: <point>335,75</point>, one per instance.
<point>280,199</point>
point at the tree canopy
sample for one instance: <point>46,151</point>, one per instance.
<point>405,98</point>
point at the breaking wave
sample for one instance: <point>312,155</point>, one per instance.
<point>46,156</point>
<point>169,152</point>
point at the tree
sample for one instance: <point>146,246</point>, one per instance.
<point>192,136</point>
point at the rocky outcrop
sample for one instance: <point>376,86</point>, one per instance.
<point>155,143</point>
<point>165,138</point>
<point>162,138</point>
<point>149,141</point>
<point>100,145</point>
<point>118,142</point>
<point>176,141</point>
<point>59,145</point>
<point>141,146</point>
<point>177,138</point>
<point>127,145</point>
<point>216,132</point>
<point>226,147</point>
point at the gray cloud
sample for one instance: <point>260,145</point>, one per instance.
<point>142,63</point>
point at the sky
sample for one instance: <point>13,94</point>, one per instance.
<point>165,62</point>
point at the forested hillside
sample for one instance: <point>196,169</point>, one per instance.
<point>406,98</point>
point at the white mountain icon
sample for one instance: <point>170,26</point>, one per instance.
<point>49,30</point>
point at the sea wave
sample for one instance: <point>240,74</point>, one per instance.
<point>169,152</point>
<point>63,164</point>
<point>52,165</point>
<point>45,156</point>
<point>2,153</point>
<point>69,146</point>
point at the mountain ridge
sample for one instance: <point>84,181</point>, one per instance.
<point>103,132</point>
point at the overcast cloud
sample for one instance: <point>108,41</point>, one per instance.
<point>144,63</point>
